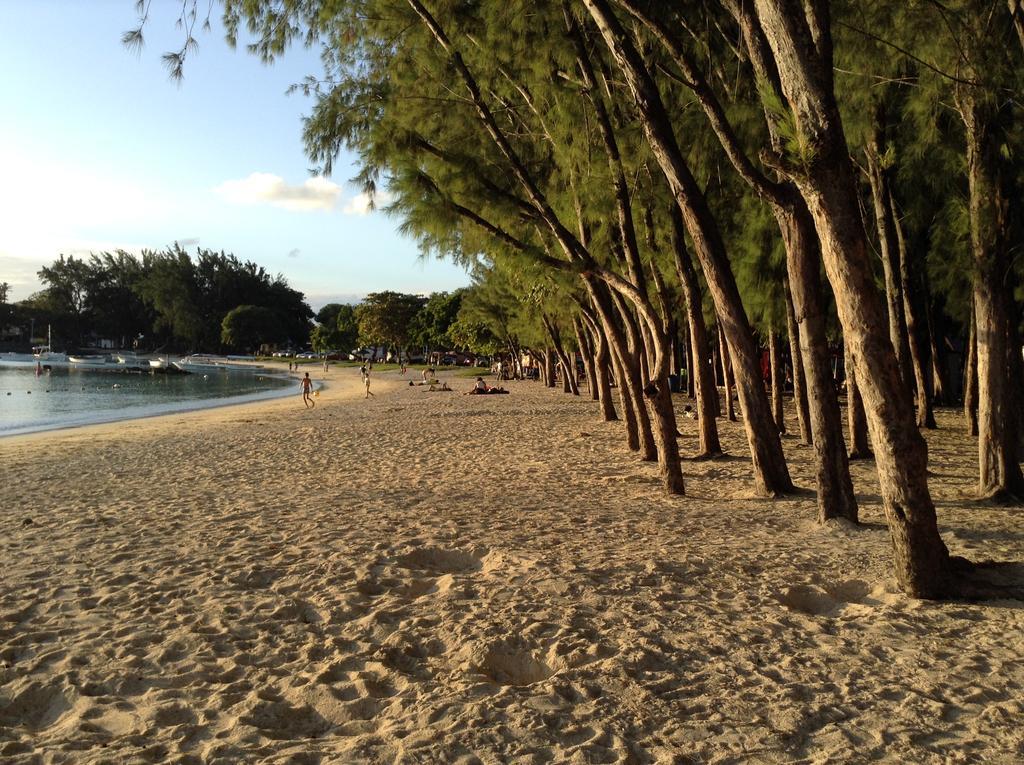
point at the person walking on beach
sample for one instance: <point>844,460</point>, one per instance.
<point>366,382</point>
<point>307,391</point>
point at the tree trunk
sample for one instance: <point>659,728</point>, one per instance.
<point>587,353</point>
<point>549,368</point>
<point>938,381</point>
<point>602,368</point>
<point>691,391</point>
<point>700,373</point>
<point>832,468</point>
<point>723,352</point>
<point>775,360</point>
<point>771,474</point>
<point>638,428</point>
<point>826,180</point>
<point>923,395</point>
<point>857,421</point>
<point>999,470</point>
<point>971,380</point>
<point>626,404</point>
<point>803,415</point>
<point>632,361</point>
<point>568,372</point>
<point>880,196</point>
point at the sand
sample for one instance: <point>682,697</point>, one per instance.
<point>437,578</point>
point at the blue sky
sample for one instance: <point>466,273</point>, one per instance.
<point>99,150</point>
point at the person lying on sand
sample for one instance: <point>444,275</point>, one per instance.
<point>481,389</point>
<point>434,386</point>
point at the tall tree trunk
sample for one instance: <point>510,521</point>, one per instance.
<point>857,421</point>
<point>723,352</point>
<point>880,196</point>
<point>771,474</point>
<point>602,367</point>
<point>700,372</point>
<point>971,379</point>
<point>587,354</point>
<point>691,361</point>
<point>923,395</point>
<point>937,376</point>
<point>659,391</point>
<point>832,468</point>
<point>549,368</point>
<point>799,39</point>
<point>999,470</point>
<point>626,404</point>
<point>633,360</point>
<point>568,372</point>
<point>803,415</point>
<point>775,360</point>
<point>638,428</point>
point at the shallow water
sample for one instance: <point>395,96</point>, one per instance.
<point>67,396</point>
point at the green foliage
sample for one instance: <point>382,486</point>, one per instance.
<point>160,298</point>
<point>387,318</point>
<point>433,322</point>
<point>247,327</point>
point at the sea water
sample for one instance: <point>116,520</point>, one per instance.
<point>66,396</point>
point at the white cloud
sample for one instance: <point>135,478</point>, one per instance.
<point>360,203</point>
<point>315,193</point>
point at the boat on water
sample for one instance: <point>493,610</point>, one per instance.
<point>197,363</point>
<point>159,363</point>
<point>46,352</point>
<point>43,353</point>
<point>89,359</point>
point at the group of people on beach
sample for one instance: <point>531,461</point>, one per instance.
<point>479,388</point>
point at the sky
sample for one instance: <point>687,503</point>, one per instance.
<point>101,150</point>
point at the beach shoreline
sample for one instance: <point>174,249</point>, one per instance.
<point>427,576</point>
<point>250,403</point>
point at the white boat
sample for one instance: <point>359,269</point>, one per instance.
<point>46,352</point>
<point>158,363</point>
<point>93,360</point>
<point>196,363</point>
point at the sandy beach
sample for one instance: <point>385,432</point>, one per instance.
<point>437,578</point>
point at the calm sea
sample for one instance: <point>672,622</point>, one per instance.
<point>66,396</point>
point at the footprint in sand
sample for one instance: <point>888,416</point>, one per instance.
<point>439,560</point>
<point>826,601</point>
<point>35,707</point>
<point>509,663</point>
